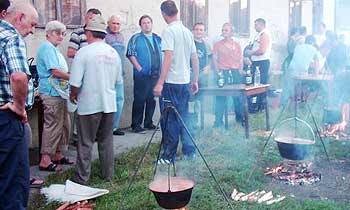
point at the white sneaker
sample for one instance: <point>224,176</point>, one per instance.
<point>163,161</point>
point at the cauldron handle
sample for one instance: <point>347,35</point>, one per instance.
<point>303,122</point>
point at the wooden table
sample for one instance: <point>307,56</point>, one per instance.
<point>237,90</point>
<point>306,79</point>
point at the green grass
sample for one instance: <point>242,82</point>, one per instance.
<point>230,157</point>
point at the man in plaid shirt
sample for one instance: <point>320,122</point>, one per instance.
<point>20,20</point>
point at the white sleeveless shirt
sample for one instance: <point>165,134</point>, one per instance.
<point>256,46</point>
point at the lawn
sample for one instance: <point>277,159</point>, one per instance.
<point>231,158</point>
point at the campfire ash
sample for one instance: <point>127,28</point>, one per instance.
<point>294,173</point>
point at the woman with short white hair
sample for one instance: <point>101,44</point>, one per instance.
<point>53,73</point>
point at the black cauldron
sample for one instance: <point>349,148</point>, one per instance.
<point>294,148</point>
<point>172,192</point>
<point>331,116</point>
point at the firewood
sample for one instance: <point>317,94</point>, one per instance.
<point>266,197</point>
<point>254,197</point>
<point>245,198</point>
<point>276,200</point>
<point>234,193</point>
<point>238,196</point>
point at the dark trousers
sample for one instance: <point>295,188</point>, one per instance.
<point>14,163</point>
<point>264,67</point>
<point>221,101</point>
<point>144,101</point>
<point>176,95</point>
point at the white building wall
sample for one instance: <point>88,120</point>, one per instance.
<point>328,14</point>
<point>218,14</point>
<point>276,14</point>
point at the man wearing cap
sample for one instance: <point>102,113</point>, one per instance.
<point>94,75</point>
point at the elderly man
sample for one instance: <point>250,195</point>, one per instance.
<point>78,38</point>
<point>116,40</point>
<point>174,83</point>
<point>19,22</point>
<point>144,53</point>
<point>95,73</point>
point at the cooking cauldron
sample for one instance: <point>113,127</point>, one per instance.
<point>172,192</point>
<point>293,147</point>
<point>331,116</point>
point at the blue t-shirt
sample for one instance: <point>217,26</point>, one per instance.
<point>150,39</point>
<point>48,58</point>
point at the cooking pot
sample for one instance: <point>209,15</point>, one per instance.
<point>172,192</point>
<point>295,147</point>
<point>331,116</point>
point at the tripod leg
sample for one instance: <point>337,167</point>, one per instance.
<point>266,142</point>
<point>120,206</point>
<point>199,152</point>
<point>318,131</point>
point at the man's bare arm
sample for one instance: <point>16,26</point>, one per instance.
<point>73,95</point>
<point>168,55</point>
<point>19,86</point>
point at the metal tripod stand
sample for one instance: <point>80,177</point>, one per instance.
<point>295,100</point>
<point>169,107</point>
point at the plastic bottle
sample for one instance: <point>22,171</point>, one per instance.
<point>221,79</point>
<point>248,77</point>
<point>230,77</point>
<point>257,76</point>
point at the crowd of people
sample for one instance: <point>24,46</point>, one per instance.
<point>173,67</point>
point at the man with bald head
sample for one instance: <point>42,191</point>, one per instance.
<point>116,40</point>
<point>19,22</point>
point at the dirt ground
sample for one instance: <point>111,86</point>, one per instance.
<point>334,184</point>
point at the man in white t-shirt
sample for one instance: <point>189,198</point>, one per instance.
<point>94,74</point>
<point>174,82</point>
<point>261,55</point>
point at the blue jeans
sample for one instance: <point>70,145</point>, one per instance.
<point>172,128</point>
<point>14,163</point>
<point>119,89</point>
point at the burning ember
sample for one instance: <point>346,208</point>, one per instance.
<point>294,173</point>
<point>338,130</point>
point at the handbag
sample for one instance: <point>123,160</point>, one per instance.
<point>62,88</point>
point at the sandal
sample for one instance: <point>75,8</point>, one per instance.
<point>51,168</point>
<point>36,183</point>
<point>63,161</point>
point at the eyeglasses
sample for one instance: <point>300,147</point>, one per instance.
<point>60,33</point>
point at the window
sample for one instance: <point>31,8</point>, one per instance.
<point>239,15</point>
<point>69,12</point>
<point>301,13</point>
<point>193,11</point>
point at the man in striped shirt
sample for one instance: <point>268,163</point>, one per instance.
<point>78,38</point>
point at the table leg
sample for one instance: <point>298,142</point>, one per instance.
<point>267,113</point>
<point>246,117</point>
<point>226,116</point>
<point>202,114</point>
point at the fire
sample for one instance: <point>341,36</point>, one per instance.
<point>294,173</point>
<point>339,129</point>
